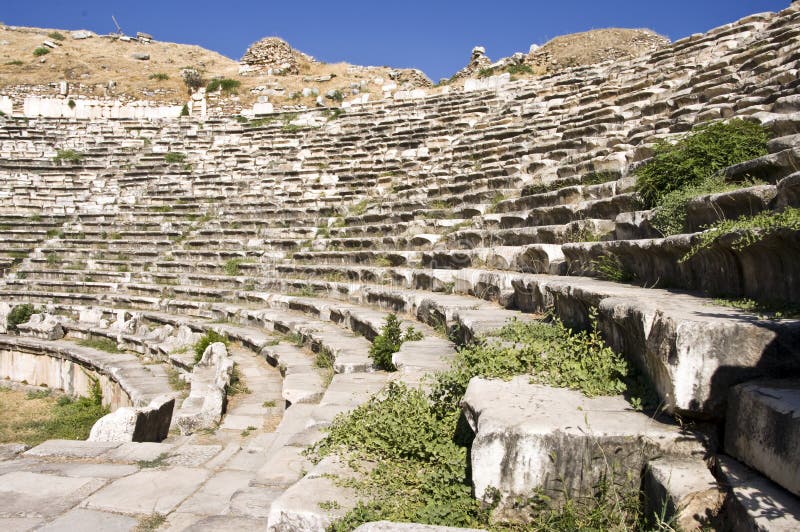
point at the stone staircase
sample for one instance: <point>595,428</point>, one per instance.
<point>459,212</point>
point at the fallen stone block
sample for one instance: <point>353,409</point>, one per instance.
<point>148,424</point>
<point>529,437</point>
<point>762,429</point>
<point>43,326</point>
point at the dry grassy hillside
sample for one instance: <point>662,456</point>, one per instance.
<point>94,62</point>
<point>90,64</point>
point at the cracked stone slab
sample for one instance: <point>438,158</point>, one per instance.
<point>38,495</point>
<point>81,519</point>
<point>150,491</point>
<point>71,449</point>
<point>214,497</point>
<point>193,455</point>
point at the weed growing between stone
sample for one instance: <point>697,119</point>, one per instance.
<point>610,268</point>
<point>417,443</point>
<point>748,230</point>
<point>19,315</point>
<point>670,216</point>
<point>703,153</point>
<point>210,337</point>
<point>764,311</point>
<point>389,341</point>
<point>103,344</point>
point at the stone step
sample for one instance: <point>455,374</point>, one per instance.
<point>530,437</point>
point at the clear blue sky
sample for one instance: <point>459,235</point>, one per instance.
<point>435,36</point>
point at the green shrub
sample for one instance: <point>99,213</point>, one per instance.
<point>56,36</point>
<point>417,444</point>
<point>698,156</point>
<point>192,78</point>
<point>670,216</point>
<point>18,315</point>
<point>226,85</point>
<point>40,51</point>
<point>70,156</point>
<point>15,62</point>
<point>159,76</point>
<point>174,157</point>
<point>749,229</point>
<point>610,268</point>
<point>551,353</point>
<point>420,471</point>
<point>232,267</point>
<point>185,110</point>
<point>103,344</point>
<point>389,341</point>
<point>516,70</point>
<point>210,337</point>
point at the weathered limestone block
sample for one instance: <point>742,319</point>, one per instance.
<point>682,489</point>
<point>762,429</point>
<point>209,382</point>
<point>5,310</point>
<point>692,352</point>
<point>184,337</point>
<point>144,424</point>
<point>530,436</point>
<point>43,326</point>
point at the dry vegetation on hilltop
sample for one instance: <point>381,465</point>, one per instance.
<point>90,64</point>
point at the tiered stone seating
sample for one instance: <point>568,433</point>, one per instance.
<point>459,211</point>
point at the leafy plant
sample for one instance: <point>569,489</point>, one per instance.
<point>159,76</point>
<point>232,267</point>
<point>15,62</point>
<point>174,157</point>
<point>192,79</point>
<point>748,230</point>
<point>389,341</point>
<point>237,385</point>
<point>670,216</point>
<point>56,36</point>
<point>210,337</point>
<point>40,51</point>
<point>551,353</point>
<point>610,268</point>
<point>697,156</point>
<point>226,85</point>
<point>103,344</point>
<point>70,156</point>
<point>419,474</point>
<point>185,110</point>
<point>18,315</point>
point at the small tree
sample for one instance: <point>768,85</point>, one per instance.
<point>389,341</point>
<point>192,79</point>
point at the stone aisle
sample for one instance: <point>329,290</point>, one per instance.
<point>201,482</point>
